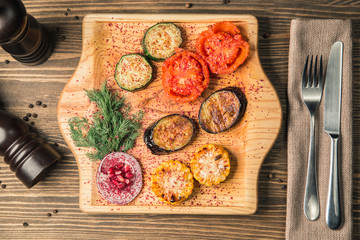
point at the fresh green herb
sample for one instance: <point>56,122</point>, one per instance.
<point>112,128</point>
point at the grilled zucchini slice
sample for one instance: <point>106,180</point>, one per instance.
<point>210,164</point>
<point>172,182</point>
<point>133,72</point>
<point>161,40</point>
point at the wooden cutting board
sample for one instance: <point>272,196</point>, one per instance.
<point>105,39</point>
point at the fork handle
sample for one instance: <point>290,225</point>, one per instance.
<point>333,208</point>
<point>311,200</point>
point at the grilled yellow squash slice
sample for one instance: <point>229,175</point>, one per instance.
<point>210,164</point>
<point>172,182</point>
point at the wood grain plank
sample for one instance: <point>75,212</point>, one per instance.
<point>269,221</point>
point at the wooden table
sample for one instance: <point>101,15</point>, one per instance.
<point>50,210</point>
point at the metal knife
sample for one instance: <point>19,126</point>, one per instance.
<point>332,127</point>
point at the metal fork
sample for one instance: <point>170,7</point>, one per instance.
<point>311,93</point>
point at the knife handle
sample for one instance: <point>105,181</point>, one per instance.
<point>333,208</point>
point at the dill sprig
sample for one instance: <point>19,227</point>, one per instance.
<point>112,127</point>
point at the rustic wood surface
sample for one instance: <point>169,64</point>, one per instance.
<point>25,214</point>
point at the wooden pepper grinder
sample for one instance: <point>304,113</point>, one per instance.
<point>21,35</point>
<point>28,156</point>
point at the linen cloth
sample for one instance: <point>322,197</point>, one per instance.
<point>315,37</point>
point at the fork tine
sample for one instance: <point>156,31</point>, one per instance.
<point>315,82</point>
<point>304,78</point>
<point>321,79</point>
<point>310,73</point>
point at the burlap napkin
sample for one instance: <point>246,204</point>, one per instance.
<point>316,36</point>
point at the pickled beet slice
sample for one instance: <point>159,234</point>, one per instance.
<point>112,188</point>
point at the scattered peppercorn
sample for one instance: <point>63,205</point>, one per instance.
<point>63,38</point>
<point>31,105</point>
<point>76,17</point>
<point>68,9</point>
<point>270,176</point>
<point>7,61</point>
<point>280,181</point>
<point>28,114</point>
<point>44,105</point>
<point>283,186</point>
<point>65,13</point>
<point>48,214</point>
<point>25,119</point>
<point>34,115</point>
<point>38,103</point>
<point>32,123</point>
<point>188,5</point>
<point>3,186</point>
<point>266,35</point>
<point>56,144</point>
<point>25,224</point>
<point>226,1</point>
<point>55,211</point>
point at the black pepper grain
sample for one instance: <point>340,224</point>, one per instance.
<point>280,181</point>
<point>3,186</point>
<point>31,105</point>
<point>35,115</point>
<point>28,114</point>
<point>44,105</point>
<point>68,9</point>
<point>226,1</point>
<point>63,38</point>
<point>25,224</point>
<point>56,144</point>
<point>7,61</point>
<point>283,186</point>
<point>32,123</point>
<point>38,103</point>
<point>55,211</point>
<point>188,5</point>
<point>25,118</point>
<point>76,17</point>
<point>66,13</point>
<point>266,35</point>
<point>48,214</point>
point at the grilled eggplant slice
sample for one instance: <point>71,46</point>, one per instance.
<point>170,133</point>
<point>222,110</point>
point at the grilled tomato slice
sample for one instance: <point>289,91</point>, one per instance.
<point>172,182</point>
<point>210,164</point>
<point>223,48</point>
<point>185,76</point>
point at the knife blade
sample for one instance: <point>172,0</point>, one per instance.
<point>332,127</point>
<point>333,90</point>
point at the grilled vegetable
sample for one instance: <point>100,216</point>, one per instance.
<point>161,40</point>
<point>170,133</point>
<point>133,72</point>
<point>210,164</point>
<point>172,182</point>
<point>222,109</point>
<point>223,48</point>
<point>185,76</point>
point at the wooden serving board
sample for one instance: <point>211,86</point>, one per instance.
<point>105,39</point>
